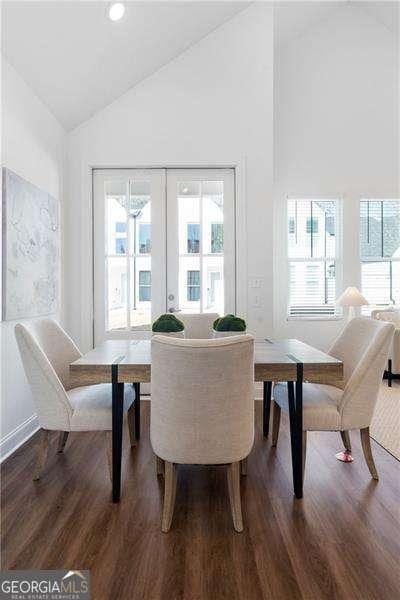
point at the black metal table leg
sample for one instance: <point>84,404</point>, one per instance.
<point>136,387</point>
<point>296,429</point>
<point>117,422</point>
<point>298,426</point>
<point>292,420</point>
<point>267,392</point>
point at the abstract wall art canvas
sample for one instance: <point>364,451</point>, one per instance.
<point>30,251</point>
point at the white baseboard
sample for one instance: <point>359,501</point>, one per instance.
<point>18,436</point>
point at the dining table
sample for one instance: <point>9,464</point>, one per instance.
<point>128,361</point>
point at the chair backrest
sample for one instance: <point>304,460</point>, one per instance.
<point>47,351</point>
<point>363,346</point>
<point>202,399</point>
<point>198,326</point>
<point>391,315</point>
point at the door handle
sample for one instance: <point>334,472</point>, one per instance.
<point>174,310</point>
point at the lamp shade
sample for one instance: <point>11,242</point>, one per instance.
<point>351,297</point>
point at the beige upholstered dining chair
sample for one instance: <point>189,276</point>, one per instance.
<point>363,348</point>
<point>47,351</point>
<point>391,315</point>
<point>198,326</point>
<point>202,410</point>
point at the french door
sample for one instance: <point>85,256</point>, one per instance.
<point>163,240</point>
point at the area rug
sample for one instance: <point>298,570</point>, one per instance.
<point>385,426</point>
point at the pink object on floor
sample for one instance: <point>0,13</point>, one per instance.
<point>344,456</point>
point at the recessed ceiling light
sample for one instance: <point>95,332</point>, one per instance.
<point>116,11</point>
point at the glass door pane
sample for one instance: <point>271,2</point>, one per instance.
<point>127,291</point>
<point>200,238</point>
<point>140,254</point>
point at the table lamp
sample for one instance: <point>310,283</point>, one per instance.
<point>351,297</point>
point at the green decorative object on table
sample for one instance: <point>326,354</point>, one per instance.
<point>229,323</point>
<point>167,323</point>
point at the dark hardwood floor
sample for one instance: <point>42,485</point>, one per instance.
<point>340,541</point>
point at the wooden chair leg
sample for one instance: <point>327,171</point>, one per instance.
<point>366,446</point>
<point>62,440</point>
<point>131,424</point>
<point>170,481</point>
<point>234,495</point>
<point>159,466</point>
<point>346,440</point>
<point>109,453</point>
<point>276,421</point>
<point>243,466</point>
<point>304,450</point>
<point>42,453</point>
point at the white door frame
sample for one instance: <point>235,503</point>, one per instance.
<point>87,224</point>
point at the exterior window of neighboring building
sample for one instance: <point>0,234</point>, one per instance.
<point>144,238</point>
<point>120,239</point>
<point>193,286</point>
<point>120,245</point>
<point>312,252</point>
<point>144,286</point>
<point>217,238</point>
<point>312,225</point>
<point>193,238</point>
<point>120,226</point>
<point>380,251</point>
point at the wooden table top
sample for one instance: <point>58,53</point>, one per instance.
<point>274,360</point>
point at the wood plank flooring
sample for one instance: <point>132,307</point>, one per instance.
<point>340,542</point>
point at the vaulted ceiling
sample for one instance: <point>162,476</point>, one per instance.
<point>78,61</point>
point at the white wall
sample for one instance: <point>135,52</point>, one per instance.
<point>210,106</point>
<point>336,136</point>
<point>32,147</point>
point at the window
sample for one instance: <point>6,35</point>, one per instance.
<point>120,240</point>
<point>312,243</point>
<point>193,286</point>
<point>380,251</point>
<point>144,286</point>
<point>120,227</point>
<point>217,238</point>
<point>120,245</point>
<point>144,238</point>
<point>312,225</point>
<point>193,238</point>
